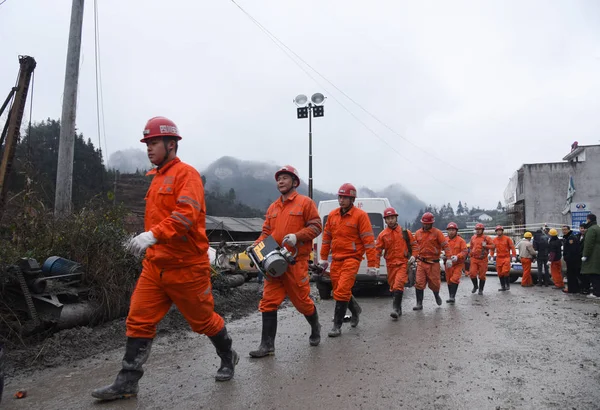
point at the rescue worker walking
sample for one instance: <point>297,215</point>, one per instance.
<point>526,254</point>
<point>176,268</point>
<point>540,244</point>
<point>505,248</point>
<point>481,245</point>
<point>348,234</point>
<point>292,220</point>
<point>555,257</point>
<point>395,243</point>
<point>428,245</point>
<point>455,260</point>
<point>572,257</point>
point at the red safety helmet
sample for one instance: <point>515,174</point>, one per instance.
<point>288,169</point>
<point>160,127</point>
<point>499,228</point>
<point>452,225</point>
<point>480,226</point>
<point>347,189</point>
<point>389,212</point>
<point>427,218</point>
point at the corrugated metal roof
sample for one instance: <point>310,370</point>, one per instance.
<point>233,224</point>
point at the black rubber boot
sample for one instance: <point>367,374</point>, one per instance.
<point>503,283</point>
<point>229,358</point>
<point>481,286</point>
<point>475,285</point>
<point>315,328</point>
<point>338,318</point>
<point>438,299</point>
<point>267,339</point>
<point>507,282</point>
<point>137,351</point>
<point>397,304</point>
<point>356,310</point>
<point>419,293</point>
<point>452,292</point>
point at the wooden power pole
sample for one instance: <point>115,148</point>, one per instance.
<point>64,174</point>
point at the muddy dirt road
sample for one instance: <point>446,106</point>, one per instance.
<point>534,348</point>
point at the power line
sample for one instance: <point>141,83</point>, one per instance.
<point>289,54</point>
<point>99,87</point>
<point>266,31</point>
<point>96,68</point>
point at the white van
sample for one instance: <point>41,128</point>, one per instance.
<point>374,207</point>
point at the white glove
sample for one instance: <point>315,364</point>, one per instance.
<point>411,260</point>
<point>449,263</point>
<point>583,258</point>
<point>290,238</point>
<point>372,271</point>
<point>513,259</point>
<point>323,264</point>
<point>454,258</point>
<point>140,243</point>
<point>484,244</point>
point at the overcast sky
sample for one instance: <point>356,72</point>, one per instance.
<point>474,88</point>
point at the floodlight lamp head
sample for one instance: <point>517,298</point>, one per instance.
<point>317,98</point>
<point>300,100</point>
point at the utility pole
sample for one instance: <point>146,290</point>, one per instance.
<point>64,174</point>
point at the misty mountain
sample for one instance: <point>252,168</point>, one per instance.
<point>254,185</point>
<point>129,161</point>
<point>253,181</point>
<point>406,203</point>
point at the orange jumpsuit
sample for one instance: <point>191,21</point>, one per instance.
<point>348,237</point>
<point>479,255</point>
<point>298,215</point>
<point>458,248</point>
<point>176,269</point>
<point>427,247</point>
<point>505,247</point>
<point>391,241</point>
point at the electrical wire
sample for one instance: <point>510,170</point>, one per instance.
<point>290,55</point>
<point>270,34</point>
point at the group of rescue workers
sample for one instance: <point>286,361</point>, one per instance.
<point>176,266</point>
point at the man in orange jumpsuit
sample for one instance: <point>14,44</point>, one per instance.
<point>455,260</point>
<point>292,220</point>
<point>176,268</point>
<point>481,245</point>
<point>428,245</point>
<point>396,245</point>
<point>505,248</point>
<point>348,234</point>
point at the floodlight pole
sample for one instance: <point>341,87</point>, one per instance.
<point>310,177</point>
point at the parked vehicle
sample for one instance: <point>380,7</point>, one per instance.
<point>374,207</point>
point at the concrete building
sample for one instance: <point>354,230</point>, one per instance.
<point>537,193</point>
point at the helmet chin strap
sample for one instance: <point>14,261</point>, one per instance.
<point>167,153</point>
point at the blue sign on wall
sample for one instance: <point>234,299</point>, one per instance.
<point>579,213</point>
